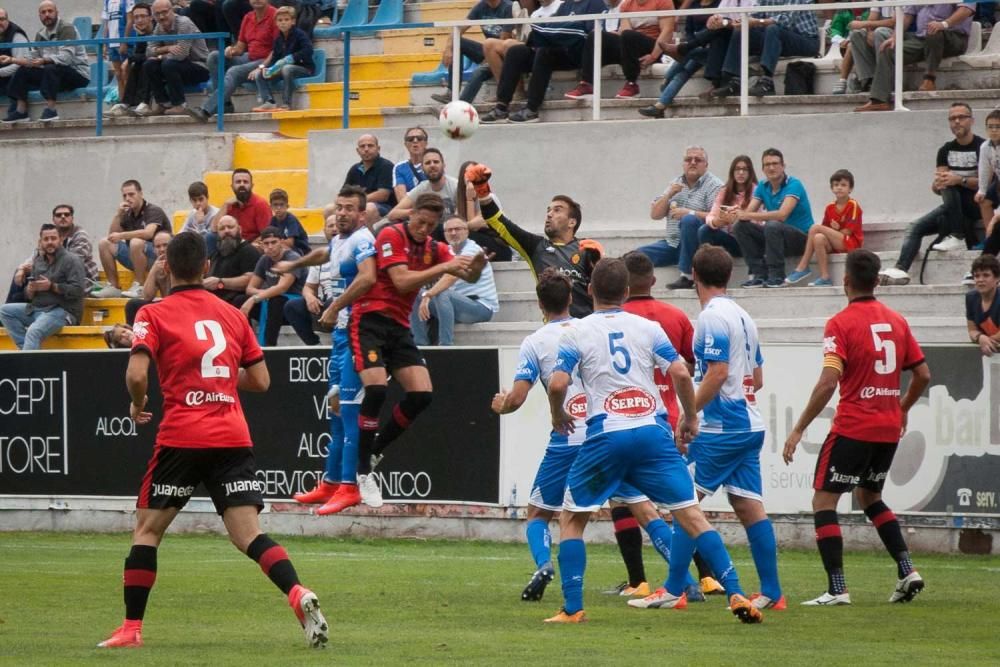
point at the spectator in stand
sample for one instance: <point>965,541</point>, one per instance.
<point>257,34</point>
<point>130,241</point>
<point>634,46</point>
<point>684,205</point>
<point>863,40</point>
<point>550,47</point>
<point>987,194</point>
<point>294,235</point>
<point>136,93</point>
<point>199,220</point>
<point>232,265</point>
<point>841,231</point>
<point>207,15</point>
<point>250,210</point>
<point>467,208</point>
<point>956,180</point>
<point>495,50</point>
<point>172,65</point>
<point>684,66</point>
<point>317,295</point>
<point>116,16</point>
<point>772,35</point>
<point>291,58</point>
<point>451,300</point>
<point>407,173</point>
<point>50,70</point>
<point>438,182</point>
<point>483,10</point>
<point>75,239</point>
<point>9,32</point>
<point>982,307</point>
<point>775,225</point>
<point>54,288</point>
<point>374,175</point>
<point>234,12</point>
<point>732,199</point>
<point>157,283</point>
<point>941,31</point>
<point>276,289</point>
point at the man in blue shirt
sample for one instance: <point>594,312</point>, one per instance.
<point>775,224</point>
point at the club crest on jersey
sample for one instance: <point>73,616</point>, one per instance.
<point>427,257</point>
<point>630,402</point>
<point>386,249</point>
<point>140,329</point>
<point>577,406</point>
<point>575,259</point>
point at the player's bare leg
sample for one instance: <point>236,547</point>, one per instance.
<point>244,531</point>
<point>140,574</point>
<point>572,563</point>
<point>540,543</point>
<point>909,582</point>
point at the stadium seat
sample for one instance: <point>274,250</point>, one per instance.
<point>439,75</point>
<point>85,27</point>
<point>355,15</point>
<point>988,56</point>
<point>79,93</point>
<point>389,15</point>
<point>973,47</point>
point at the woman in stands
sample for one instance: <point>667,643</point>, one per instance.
<point>732,199</point>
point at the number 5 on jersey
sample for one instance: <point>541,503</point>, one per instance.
<point>887,365</point>
<point>616,349</point>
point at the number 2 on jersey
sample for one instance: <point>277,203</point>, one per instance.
<point>202,330</point>
<point>886,347</point>
<point>618,349</point>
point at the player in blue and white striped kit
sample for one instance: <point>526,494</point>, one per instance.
<point>351,254</point>
<point>536,361</point>
<point>628,438</point>
<point>726,453</point>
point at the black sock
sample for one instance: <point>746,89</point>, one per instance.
<point>140,575</point>
<point>888,529</point>
<point>403,415</point>
<point>703,569</point>
<point>831,549</point>
<point>629,539</point>
<point>274,562</point>
<point>371,406</point>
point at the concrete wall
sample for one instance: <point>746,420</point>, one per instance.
<point>87,173</point>
<point>25,12</point>
<point>615,168</point>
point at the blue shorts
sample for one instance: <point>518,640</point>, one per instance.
<point>549,487</point>
<point>383,208</point>
<point>731,460</point>
<point>125,260</point>
<point>342,370</point>
<point>114,54</point>
<point>644,458</point>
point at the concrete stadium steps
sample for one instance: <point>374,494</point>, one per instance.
<point>791,330</point>
<point>363,95</point>
<point>103,312</point>
<point>311,219</point>
<point>268,151</point>
<point>69,338</point>
<point>293,181</point>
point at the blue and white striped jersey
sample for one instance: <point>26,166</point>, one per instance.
<point>346,252</point>
<point>615,353</point>
<point>724,332</point>
<point>537,361</point>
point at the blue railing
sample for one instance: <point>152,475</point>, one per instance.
<point>101,42</point>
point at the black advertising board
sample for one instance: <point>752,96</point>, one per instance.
<point>65,431</point>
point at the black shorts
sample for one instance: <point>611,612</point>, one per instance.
<point>845,463</point>
<point>228,473</point>
<point>378,341</point>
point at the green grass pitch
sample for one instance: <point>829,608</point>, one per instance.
<point>396,602</point>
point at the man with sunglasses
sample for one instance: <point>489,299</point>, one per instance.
<point>956,181</point>
<point>406,174</point>
<point>74,239</point>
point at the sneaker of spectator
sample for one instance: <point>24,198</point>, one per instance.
<point>495,115</point>
<point>524,115</point>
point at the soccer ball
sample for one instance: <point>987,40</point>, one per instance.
<point>459,120</point>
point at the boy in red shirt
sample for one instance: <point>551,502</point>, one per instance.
<point>840,232</point>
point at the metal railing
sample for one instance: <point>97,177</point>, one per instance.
<point>898,6</point>
<point>101,42</point>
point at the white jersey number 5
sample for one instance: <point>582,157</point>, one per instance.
<point>205,328</point>
<point>887,347</point>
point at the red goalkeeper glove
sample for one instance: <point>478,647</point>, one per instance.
<point>479,175</point>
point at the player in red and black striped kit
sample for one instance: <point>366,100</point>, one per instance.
<point>204,351</point>
<point>866,348</point>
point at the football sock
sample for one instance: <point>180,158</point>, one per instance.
<point>334,451</point>
<point>661,534</point>
<point>349,458</point>
<point>403,415</point>
<point>888,529</point>
<point>539,541</point>
<point>274,562</point>
<point>371,405</point>
<point>681,548</point>
<point>629,539</point>
<point>764,549</point>
<point>703,569</point>
<point>714,551</point>
<point>140,575</point>
<point>572,563</point>
<point>831,550</point>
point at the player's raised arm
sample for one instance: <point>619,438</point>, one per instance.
<point>821,395</point>
<point>137,381</point>
<point>314,258</point>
